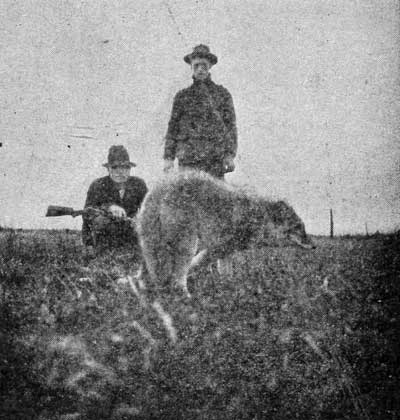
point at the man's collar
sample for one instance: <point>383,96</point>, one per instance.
<point>117,185</point>
<point>206,81</point>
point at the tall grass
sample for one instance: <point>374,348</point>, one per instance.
<point>290,334</point>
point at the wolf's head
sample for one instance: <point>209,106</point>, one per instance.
<point>281,225</point>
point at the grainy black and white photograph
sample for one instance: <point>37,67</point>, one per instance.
<point>200,209</point>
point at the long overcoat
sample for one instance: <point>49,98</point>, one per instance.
<point>202,128</point>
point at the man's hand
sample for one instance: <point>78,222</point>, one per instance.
<point>229,164</point>
<point>168,165</point>
<point>92,212</point>
<point>133,222</point>
<point>117,211</point>
<point>89,252</point>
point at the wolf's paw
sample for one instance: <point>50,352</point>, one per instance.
<point>224,267</point>
<point>182,291</point>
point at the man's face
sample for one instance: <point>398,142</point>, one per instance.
<point>119,173</point>
<point>200,68</point>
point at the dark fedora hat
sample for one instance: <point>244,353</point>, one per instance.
<point>118,156</point>
<point>201,51</point>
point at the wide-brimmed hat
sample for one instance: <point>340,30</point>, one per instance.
<point>201,51</point>
<point>118,156</point>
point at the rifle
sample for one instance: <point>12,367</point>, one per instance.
<point>55,211</point>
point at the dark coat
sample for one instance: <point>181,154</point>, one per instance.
<point>103,193</point>
<point>202,127</point>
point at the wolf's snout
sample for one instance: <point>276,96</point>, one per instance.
<point>305,245</point>
<point>308,246</point>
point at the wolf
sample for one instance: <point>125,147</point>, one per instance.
<point>192,218</point>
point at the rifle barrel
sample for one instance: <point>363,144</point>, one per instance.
<point>77,213</point>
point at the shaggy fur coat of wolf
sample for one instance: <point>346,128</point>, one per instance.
<point>192,217</point>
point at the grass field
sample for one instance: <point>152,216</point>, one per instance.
<point>292,334</point>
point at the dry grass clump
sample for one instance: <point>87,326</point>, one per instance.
<point>291,334</point>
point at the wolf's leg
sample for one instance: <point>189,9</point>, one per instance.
<point>198,258</point>
<point>149,271</point>
<point>185,253</point>
<point>222,255</point>
<point>141,275</point>
<point>224,266</point>
<point>205,257</point>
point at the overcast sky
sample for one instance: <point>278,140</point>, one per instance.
<point>315,85</point>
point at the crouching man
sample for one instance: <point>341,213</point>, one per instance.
<point>112,203</point>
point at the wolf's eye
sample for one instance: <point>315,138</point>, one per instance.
<point>297,227</point>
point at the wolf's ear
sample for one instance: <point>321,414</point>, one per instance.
<point>282,206</point>
<point>278,211</point>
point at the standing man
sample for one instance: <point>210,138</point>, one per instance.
<point>202,130</point>
<point>112,201</point>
